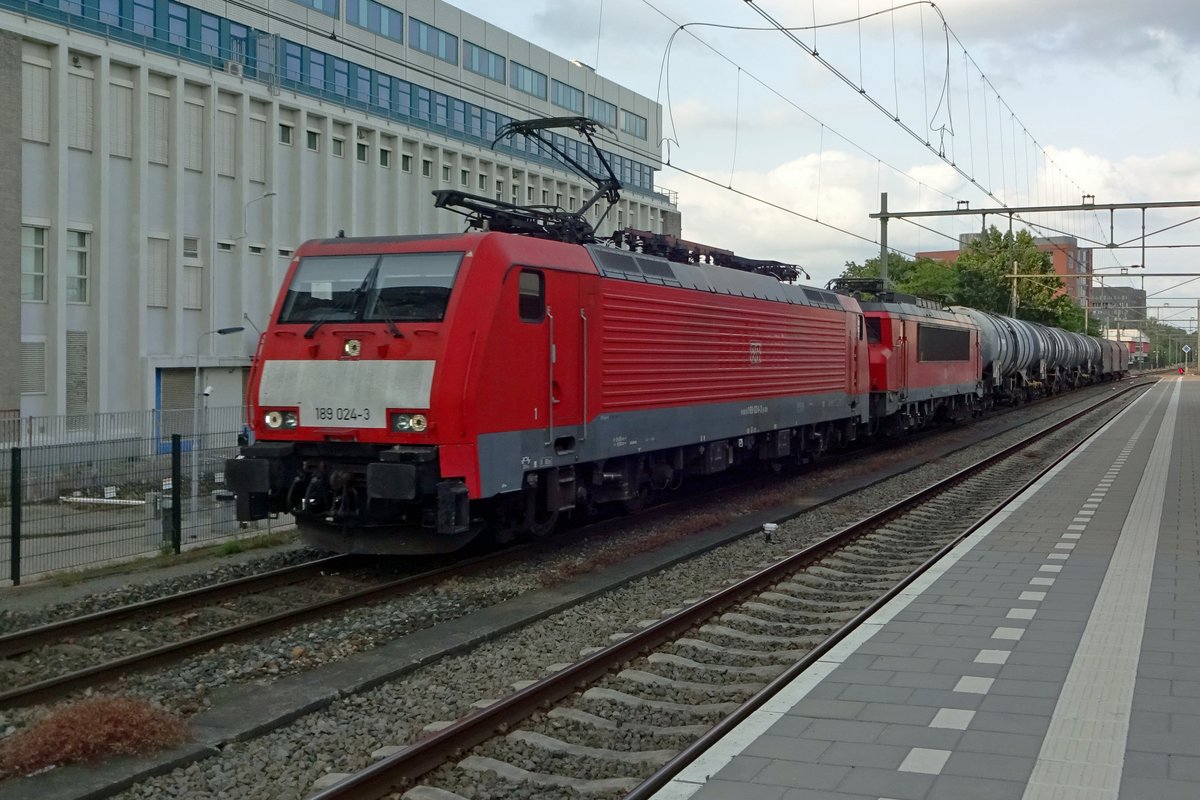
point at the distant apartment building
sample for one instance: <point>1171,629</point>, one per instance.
<point>1071,262</point>
<point>162,160</point>
<point>1114,306</point>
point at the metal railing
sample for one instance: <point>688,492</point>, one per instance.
<point>81,491</point>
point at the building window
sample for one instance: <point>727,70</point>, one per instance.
<point>210,35</point>
<point>385,158</point>
<point>632,123</point>
<point>225,247</point>
<point>483,62</point>
<point>191,247</point>
<point>256,249</point>
<point>380,19</point>
<point>604,112</point>
<point>33,264</point>
<point>361,151</point>
<point>566,96</point>
<point>528,80</point>
<point>482,182</point>
<point>445,173</point>
<point>339,147</point>
<point>427,168</point>
<point>177,24</point>
<point>143,17</point>
<point>313,141</point>
<point>329,7</point>
<point>464,177</point>
<point>285,134</point>
<point>406,162</point>
<point>434,41</point>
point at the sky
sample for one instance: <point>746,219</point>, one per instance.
<point>992,102</point>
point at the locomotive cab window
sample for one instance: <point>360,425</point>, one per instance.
<point>396,287</point>
<point>531,296</point>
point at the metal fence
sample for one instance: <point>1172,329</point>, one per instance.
<point>80,491</point>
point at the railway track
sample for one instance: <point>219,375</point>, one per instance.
<point>326,579</point>
<point>623,720</point>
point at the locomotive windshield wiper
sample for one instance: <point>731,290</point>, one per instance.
<point>382,307</point>
<point>355,296</point>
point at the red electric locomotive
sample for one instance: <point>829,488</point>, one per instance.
<point>925,358</point>
<point>413,391</point>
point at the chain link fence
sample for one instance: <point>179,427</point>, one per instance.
<point>86,490</point>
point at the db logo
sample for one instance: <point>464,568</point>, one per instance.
<point>756,352</point>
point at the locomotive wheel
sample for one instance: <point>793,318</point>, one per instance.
<point>638,503</point>
<point>540,529</point>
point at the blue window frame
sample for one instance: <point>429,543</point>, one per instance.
<point>566,96</point>
<point>362,84</point>
<point>316,69</point>
<point>380,19</point>
<point>177,24</point>
<point>239,42</point>
<point>292,61</point>
<point>527,80</point>
<point>604,112</point>
<point>404,97</point>
<point>441,109</point>
<point>434,41</point>
<point>483,62</point>
<point>383,91</point>
<point>210,34</point>
<point>143,17</point>
<point>424,107</point>
<point>110,12</point>
<point>341,77</point>
<point>71,6</point>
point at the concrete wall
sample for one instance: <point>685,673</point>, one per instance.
<point>10,223</point>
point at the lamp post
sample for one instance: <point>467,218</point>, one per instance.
<point>197,399</point>
<point>246,212</point>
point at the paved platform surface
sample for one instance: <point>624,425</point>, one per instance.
<point>1054,656</point>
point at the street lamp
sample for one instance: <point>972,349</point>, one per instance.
<point>197,399</point>
<point>246,212</point>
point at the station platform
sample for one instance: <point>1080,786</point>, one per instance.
<point>1053,655</point>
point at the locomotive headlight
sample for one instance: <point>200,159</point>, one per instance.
<point>409,423</point>
<point>273,419</point>
<point>290,420</point>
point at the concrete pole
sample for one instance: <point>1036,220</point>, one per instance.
<point>883,247</point>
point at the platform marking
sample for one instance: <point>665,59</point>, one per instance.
<point>926,760</point>
<point>1035,597</point>
<point>1008,633</point>
<point>1021,613</point>
<point>1065,545</point>
<point>993,656</point>
<point>972,684</point>
<point>1083,753</point>
<point>956,718</point>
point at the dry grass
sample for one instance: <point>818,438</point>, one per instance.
<point>90,730</point>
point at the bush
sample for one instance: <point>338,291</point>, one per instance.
<point>90,730</point>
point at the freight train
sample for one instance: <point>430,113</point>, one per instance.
<point>414,392</point>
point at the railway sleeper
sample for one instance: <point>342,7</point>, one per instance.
<point>515,774</point>
<point>557,746</point>
<point>579,717</point>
